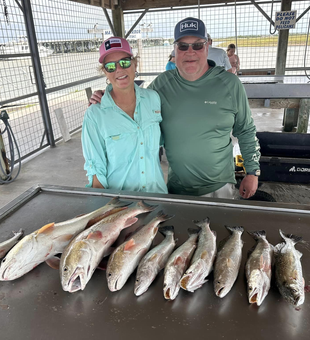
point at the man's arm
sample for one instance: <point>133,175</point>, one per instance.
<point>96,97</point>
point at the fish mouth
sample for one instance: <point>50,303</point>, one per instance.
<point>77,281</point>
<point>2,277</point>
<point>171,292</point>
<point>221,291</point>
<point>193,280</point>
<point>139,290</point>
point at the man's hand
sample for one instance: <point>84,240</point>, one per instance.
<point>96,97</point>
<point>248,186</point>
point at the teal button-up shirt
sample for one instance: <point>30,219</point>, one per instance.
<point>122,152</point>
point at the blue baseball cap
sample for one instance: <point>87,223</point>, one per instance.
<point>190,27</point>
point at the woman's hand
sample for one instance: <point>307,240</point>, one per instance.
<point>96,97</point>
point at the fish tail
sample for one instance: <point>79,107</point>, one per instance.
<point>20,231</point>
<point>166,230</point>
<point>192,231</point>
<point>116,202</point>
<point>203,222</point>
<point>163,217</point>
<point>146,207</point>
<point>257,234</point>
<point>237,229</point>
<point>295,239</point>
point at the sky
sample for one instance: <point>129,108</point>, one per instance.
<point>52,24</point>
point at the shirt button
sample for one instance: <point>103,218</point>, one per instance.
<point>141,143</point>
<point>143,172</point>
<point>138,127</point>
<point>143,187</point>
<point>140,157</point>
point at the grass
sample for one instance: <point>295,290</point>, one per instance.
<point>263,41</point>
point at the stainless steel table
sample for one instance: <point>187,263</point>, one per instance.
<point>36,307</point>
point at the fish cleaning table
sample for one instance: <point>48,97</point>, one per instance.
<point>35,306</point>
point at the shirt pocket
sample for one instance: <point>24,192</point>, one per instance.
<point>119,148</point>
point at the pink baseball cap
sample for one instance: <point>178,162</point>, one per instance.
<point>114,44</point>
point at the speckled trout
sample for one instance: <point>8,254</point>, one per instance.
<point>8,244</point>
<point>178,263</point>
<point>258,268</point>
<point>125,258</point>
<point>84,253</point>
<point>288,270</point>
<point>202,261</point>
<point>154,261</point>
<point>227,263</point>
<point>43,244</point>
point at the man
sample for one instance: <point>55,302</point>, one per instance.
<point>201,104</point>
<point>218,55</point>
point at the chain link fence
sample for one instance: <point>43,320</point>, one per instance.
<point>69,35</point>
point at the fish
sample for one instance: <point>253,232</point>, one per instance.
<point>228,262</point>
<point>126,257</point>
<point>203,258</point>
<point>8,244</point>
<point>178,263</point>
<point>154,261</point>
<point>84,253</point>
<point>288,269</point>
<point>48,241</point>
<point>258,268</point>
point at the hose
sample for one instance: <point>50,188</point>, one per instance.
<point>11,141</point>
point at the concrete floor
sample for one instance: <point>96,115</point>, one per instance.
<point>63,165</point>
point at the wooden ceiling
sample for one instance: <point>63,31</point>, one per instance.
<point>145,4</point>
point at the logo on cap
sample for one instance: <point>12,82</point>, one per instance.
<point>189,25</point>
<point>112,43</point>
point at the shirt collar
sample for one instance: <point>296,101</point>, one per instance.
<point>107,100</point>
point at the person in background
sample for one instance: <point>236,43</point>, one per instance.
<point>171,63</point>
<point>201,105</point>
<point>233,58</point>
<point>218,55</point>
<point>121,135</point>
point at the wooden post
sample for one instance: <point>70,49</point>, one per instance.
<point>118,22</point>
<point>303,116</point>
<point>283,42</point>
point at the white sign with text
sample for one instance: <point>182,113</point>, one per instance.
<point>285,20</point>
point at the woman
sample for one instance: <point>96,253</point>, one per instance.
<point>171,63</point>
<point>233,58</point>
<point>121,135</point>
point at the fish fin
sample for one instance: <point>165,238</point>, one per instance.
<point>192,231</point>
<point>214,233</point>
<point>155,230</point>
<point>237,229</point>
<point>95,235</point>
<point>21,232</point>
<point>166,230</point>
<point>163,217</point>
<point>145,206</point>
<point>295,239</point>
<point>102,216</point>
<point>53,262</point>
<point>202,223</point>
<point>65,238</point>
<point>257,234</point>
<point>299,253</point>
<point>129,244</point>
<point>116,202</point>
<point>204,255</point>
<point>46,229</point>
<point>130,221</point>
<point>277,248</point>
<point>178,260</point>
<point>230,262</point>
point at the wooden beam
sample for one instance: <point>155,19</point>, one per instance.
<point>275,103</point>
<point>118,22</point>
<point>109,4</point>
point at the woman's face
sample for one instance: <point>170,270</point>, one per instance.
<point>231,51</point>
<point>121,78</point>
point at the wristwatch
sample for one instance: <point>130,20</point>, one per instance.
<point>255,173</point>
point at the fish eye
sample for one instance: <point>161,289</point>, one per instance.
<point>65,269</point>
<point>165,285</point>
<point>3,260</point>
<point>137,280</point>
<point>294,291</point>
<point>218,281</point>
<point>250,288</point>
<point>110,274</point>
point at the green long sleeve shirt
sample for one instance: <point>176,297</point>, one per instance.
<point>198,117</point>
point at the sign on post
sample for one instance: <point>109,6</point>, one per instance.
<point>285,20</point>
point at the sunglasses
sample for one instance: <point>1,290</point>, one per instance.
<point>123,63</point>
<point>182,46</point>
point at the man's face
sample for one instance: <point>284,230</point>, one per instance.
<point>192,64</point>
